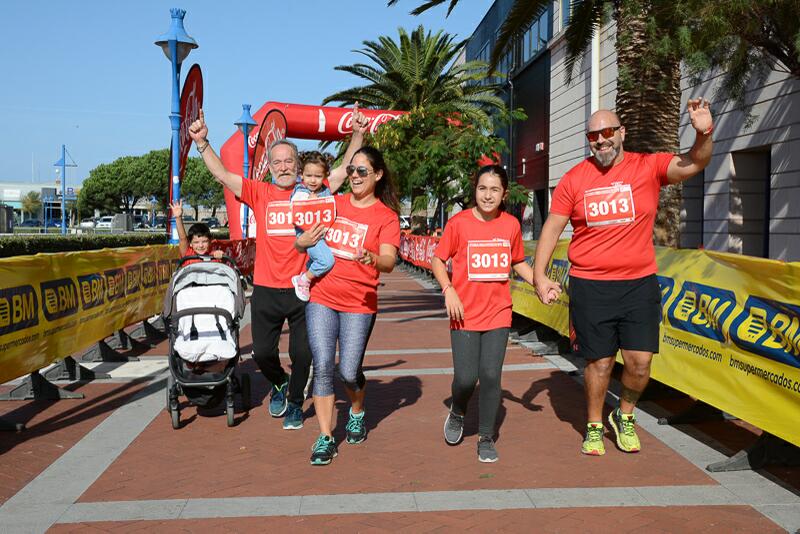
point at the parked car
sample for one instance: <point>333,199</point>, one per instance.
<point>104,222</point>
<point>31,223</point>
<point>211,222</point>
<point>88,223</point>
<point>160,221</point>
<point>54,223</point>
<point>140,221</point>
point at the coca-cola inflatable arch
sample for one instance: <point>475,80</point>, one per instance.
<point>277,121</point>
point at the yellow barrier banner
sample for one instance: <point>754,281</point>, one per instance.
<point>730,331</point>
<point>53,305</point>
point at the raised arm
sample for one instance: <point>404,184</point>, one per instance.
<point>177,212</point>
<point>684,166</point>
<point>339,174</point>
<point>198,131</point>
<point>547,290</point>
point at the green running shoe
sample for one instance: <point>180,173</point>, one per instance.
<point>624,426</point>
<point>593,442</point>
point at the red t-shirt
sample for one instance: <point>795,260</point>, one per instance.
<point>276,258</point>
<point>352,286</point>
<point>612,212</point>
<point>483,253</point>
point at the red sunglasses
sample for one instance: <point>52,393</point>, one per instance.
<point>607,133</point>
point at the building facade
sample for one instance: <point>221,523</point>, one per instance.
<point>742,202</point>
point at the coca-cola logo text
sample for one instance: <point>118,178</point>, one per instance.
<point>345,125</point>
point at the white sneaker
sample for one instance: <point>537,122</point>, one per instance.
<point>302,287</point>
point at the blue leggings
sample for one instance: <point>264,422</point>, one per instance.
<point>352,330</point>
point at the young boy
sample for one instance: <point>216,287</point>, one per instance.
<point>198,240</point>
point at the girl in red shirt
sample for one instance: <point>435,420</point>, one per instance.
<point>364,238</point>
<point>485,244</point>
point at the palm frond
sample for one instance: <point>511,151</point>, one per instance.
<point>585,20</point>
<point>520,16</point>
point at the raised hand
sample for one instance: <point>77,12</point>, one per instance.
<point>177,209</point>
<point>700,115</point>
<point>360,121</point>
<point>198,130</point>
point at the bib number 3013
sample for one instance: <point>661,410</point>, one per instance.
<point>279,218</point>
<point>609,205</point>
<point>307,213</point>
<point>346,238</point>
<point>489,260</point>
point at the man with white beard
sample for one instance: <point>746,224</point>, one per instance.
<point>611,199</point>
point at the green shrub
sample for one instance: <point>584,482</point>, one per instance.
<point>21,245</point>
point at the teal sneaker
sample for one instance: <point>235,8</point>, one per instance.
<point>323,451</point>
<point>356,431</point>
<point>293,419</point>
<point>278,400</point>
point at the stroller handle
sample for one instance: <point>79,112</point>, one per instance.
<point>226,259</point>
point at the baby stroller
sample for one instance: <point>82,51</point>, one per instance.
<point>202,309</point>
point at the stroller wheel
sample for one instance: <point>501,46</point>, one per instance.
<point>176,419</point>
<point>247,402</point>
<point>229,411</point>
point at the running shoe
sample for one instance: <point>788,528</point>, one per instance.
<point>593,442</point>
<point>277,399</point>
<point>293,420</point>
<point>302,287</point>
<point>356,430</point>
<point>453,428</point>
<point>323,451</point>
<point>624,425</point>
<point>486,451</point>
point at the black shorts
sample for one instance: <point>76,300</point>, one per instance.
<point>609,315</point>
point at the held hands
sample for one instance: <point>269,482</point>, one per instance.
<point>360,121</point>
<point>700,115</point>
<point>177,209</point>
<point>455,309</point>
<point>198,130</point>
<point>217,254</point>
<point>547,290</point>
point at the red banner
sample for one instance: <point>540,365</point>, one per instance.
<point>243,252</point>
<point>191,102</point>
<point>418,249</point>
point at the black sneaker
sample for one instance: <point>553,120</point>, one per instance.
<point>356,431</point>
<point>323,451</point>
<point>486,451</point>
<point>453,428</point>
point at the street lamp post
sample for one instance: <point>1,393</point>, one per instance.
<point>61,166</point>
<point>176,44</point>
<point>244,123</point>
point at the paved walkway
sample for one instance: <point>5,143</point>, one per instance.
<point>113,462</point>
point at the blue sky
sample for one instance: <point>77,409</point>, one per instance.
<point>87,74</point>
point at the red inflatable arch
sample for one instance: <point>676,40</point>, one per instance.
<point>279,120</point>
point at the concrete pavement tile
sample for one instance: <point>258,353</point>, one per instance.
<point>123,511</point>
<point>585,497</point>
<point>472,500</point>
<point>357,503</point>
<point>688,495</point>
<point>241,507</point>
<point>785,515</point>
<point>761,494</point>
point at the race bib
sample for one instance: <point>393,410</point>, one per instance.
<point>345,238</point>
<point>488,260</point>
<point>279,218</point>
<point>609,205</point>
<point>307,213</point>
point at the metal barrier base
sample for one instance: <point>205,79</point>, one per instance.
<point>767,450</point>
<point>699,412</point>
<point>69,369</point>
<point>35,386</point>
<point>106,351</point>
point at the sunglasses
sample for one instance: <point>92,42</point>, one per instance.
<point>362,171</point>
<point>607,133</point>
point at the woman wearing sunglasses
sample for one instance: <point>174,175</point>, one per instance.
<point>364,238</point>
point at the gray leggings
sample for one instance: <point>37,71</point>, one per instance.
<point>478,356</point>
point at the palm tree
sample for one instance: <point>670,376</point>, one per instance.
<point>648,87</point>
<point>419,72</point>
<point>32,204</point>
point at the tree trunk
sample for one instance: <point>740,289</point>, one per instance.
<point>648,104</point>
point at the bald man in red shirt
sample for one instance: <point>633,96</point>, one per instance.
<point>611,199</point>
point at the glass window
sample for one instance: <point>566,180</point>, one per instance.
<point>535,44</point>
<point>544,27</point>
<point>565,12</point>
